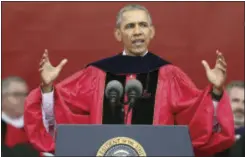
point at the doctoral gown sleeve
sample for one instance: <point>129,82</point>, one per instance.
<point>72,100</point>
<point>194,107</point>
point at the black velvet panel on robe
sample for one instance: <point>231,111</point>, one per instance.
<point>146,69</point>
<point>3,131</point>
<point>143,110</point>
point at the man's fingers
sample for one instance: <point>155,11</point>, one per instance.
<point>45,55</point>
<point>42,62</point>
<point>62,63</point>
<point>205,64</point>
<point>40,69</point>
<point>222,68</point>
<point>220,55</point>
<point>222,62</point>
<point>218,52</point>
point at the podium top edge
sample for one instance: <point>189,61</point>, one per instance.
<point>121,125</point>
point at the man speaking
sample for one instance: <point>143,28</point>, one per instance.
<point>157,92</point>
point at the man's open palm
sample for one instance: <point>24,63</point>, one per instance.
<point>47,71</point>
<point>217,75</point>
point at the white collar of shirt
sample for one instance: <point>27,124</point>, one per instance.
<point>18,122</point>
<point>124,53</point>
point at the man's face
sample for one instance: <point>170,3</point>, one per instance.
<point>13,99</point>
<point>135,32</point>
<point>237,103</point>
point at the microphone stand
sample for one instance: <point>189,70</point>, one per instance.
<point>114,101</point>
<point>130,107</point>
<point>132,96</point>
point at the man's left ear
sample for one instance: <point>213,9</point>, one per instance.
<point>152,32</point>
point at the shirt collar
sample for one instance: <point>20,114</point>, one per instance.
<point>18,122</point>
<point>124,53</point>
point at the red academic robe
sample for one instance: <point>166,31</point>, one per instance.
<point>15,141</point>
<point>14,136</point>
<point>79,100</point>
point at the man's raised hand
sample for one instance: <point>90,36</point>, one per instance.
<point>217,75</point>
<point>49,72</point>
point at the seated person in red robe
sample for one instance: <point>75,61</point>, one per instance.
<point>14,92</point>
<point>169,96</point>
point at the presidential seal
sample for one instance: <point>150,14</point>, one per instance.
<point>121,146</point>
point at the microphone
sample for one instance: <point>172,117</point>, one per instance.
<point>133,90</point>
<point>114,91</point>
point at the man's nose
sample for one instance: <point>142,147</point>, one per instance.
<point>137,31</point>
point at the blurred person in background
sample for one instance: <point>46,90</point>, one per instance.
<point>14,139</point>
<point>14,92</point>
<point>235,90</point>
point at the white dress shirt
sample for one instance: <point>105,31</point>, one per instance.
<point>17,122</point>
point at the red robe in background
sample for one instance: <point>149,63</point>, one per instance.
<point>14,139</point>
<point>12,135</point>
<point>175,100</point>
